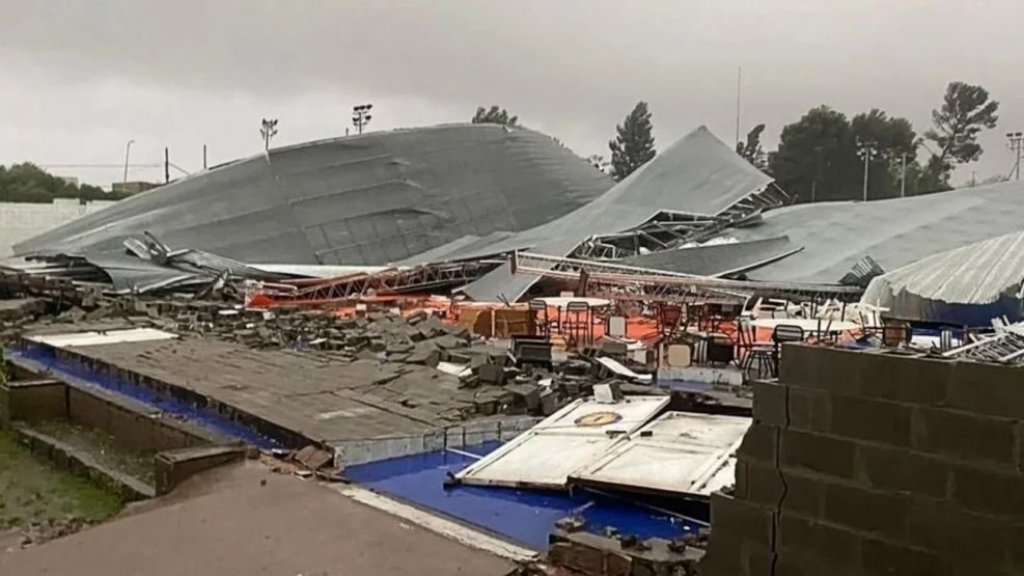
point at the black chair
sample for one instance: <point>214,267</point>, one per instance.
<point>780,335</point>
<point>753,354</point>
<point>579,327</point>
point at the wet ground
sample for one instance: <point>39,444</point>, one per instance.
<point>242,521</point>
<point>35,494</point>
<point>102,447</point>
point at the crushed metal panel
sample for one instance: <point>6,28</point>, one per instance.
<point>78,339</point>
<point>547,454</point>
<point>678,453</point>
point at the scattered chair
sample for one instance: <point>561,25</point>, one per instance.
<point>579,328</point>
<point>780,335</point>
<point>753,354</point>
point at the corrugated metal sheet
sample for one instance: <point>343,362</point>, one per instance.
<point>896,232</point>
<point>717,259</point>
<point>372,199</point>
<point>934,288</point>
<point>698,174</point>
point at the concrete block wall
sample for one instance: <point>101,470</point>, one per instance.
<point>33,401</point>
<point>864,463</point>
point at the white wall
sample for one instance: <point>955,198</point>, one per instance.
<point>21,221</point>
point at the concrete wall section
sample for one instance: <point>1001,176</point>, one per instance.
<point>863,463</point>
<point>133,430</point>
<point>21,220</point>
<point>33,401</point>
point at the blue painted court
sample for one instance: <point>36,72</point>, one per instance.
<point>521,516</point>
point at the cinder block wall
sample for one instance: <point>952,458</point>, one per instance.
<point>863,463</point>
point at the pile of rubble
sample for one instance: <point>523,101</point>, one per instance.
<point>493,377</point>
<point>575,551</point>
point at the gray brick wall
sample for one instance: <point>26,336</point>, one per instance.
<point>864,463</point>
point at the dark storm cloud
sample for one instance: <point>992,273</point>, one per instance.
<point>570,67</point>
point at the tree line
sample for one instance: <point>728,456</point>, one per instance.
<point>27,182</point>
<point>822,155</point>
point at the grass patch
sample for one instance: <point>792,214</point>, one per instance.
<point>35,491</point>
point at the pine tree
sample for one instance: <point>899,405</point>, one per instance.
<point>634,144</point>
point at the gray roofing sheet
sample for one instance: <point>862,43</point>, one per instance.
<point>698,174</point>
<point>715,259</point>
<point>896,232</point>
<point>976,274</point>
<point>376,198</point>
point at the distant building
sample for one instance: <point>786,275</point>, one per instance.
<point>134,187</point>
<point>72,180</point>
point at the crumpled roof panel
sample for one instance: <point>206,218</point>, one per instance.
<point>698,175</point>
<point>376,198</point>
<point>896,232</point>
<point>977,275</point>
<point>716,259</point>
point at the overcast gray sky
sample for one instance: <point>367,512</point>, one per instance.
<point>81,77</point>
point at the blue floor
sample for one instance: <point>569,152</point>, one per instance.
<point>525,517</point>
<point>81,375</point>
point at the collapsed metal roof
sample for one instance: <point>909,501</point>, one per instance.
<point>894,233</point>
<point>698,174</point>
<point>375,198</point>
<point>967,285</point>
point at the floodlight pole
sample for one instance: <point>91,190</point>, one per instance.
<point>866,151</point>
<point>127,152</point>
<point>1016,141</point>
<point>361,116</point>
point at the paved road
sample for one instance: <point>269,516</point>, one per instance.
<point>232,525</point>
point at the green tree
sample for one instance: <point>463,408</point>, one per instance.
<point>494,115</point>
<point>817,157</point>
<point>966,111</point>
<point>633,145</point>
<point>892,140</point>
<point>752,150</point>
<point>27,182</point>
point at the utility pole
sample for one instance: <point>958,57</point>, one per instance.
<point>1016,141</point>
<point>268,129</point>
<point>127,151</point>
<point>739,94</point>
<point>204,156</point>
<point>167,165</point>
<point>361,116</point>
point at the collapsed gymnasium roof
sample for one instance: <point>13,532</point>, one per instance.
<point>697,175</point>
<point>370,199</point>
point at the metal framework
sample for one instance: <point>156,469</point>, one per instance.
<point>672,230</point>
<point>1006,346</point>
<point>386,282</point>
<point>634,283</point>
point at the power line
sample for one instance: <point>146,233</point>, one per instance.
<point>98,165</point>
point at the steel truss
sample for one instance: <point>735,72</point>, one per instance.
<point>630,282</point>
<point>385,282</point>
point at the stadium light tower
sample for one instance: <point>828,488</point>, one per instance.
<point>268,129</point>
<point>866,151</point>
<point>1016,141</point>
<point>361,116</point>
